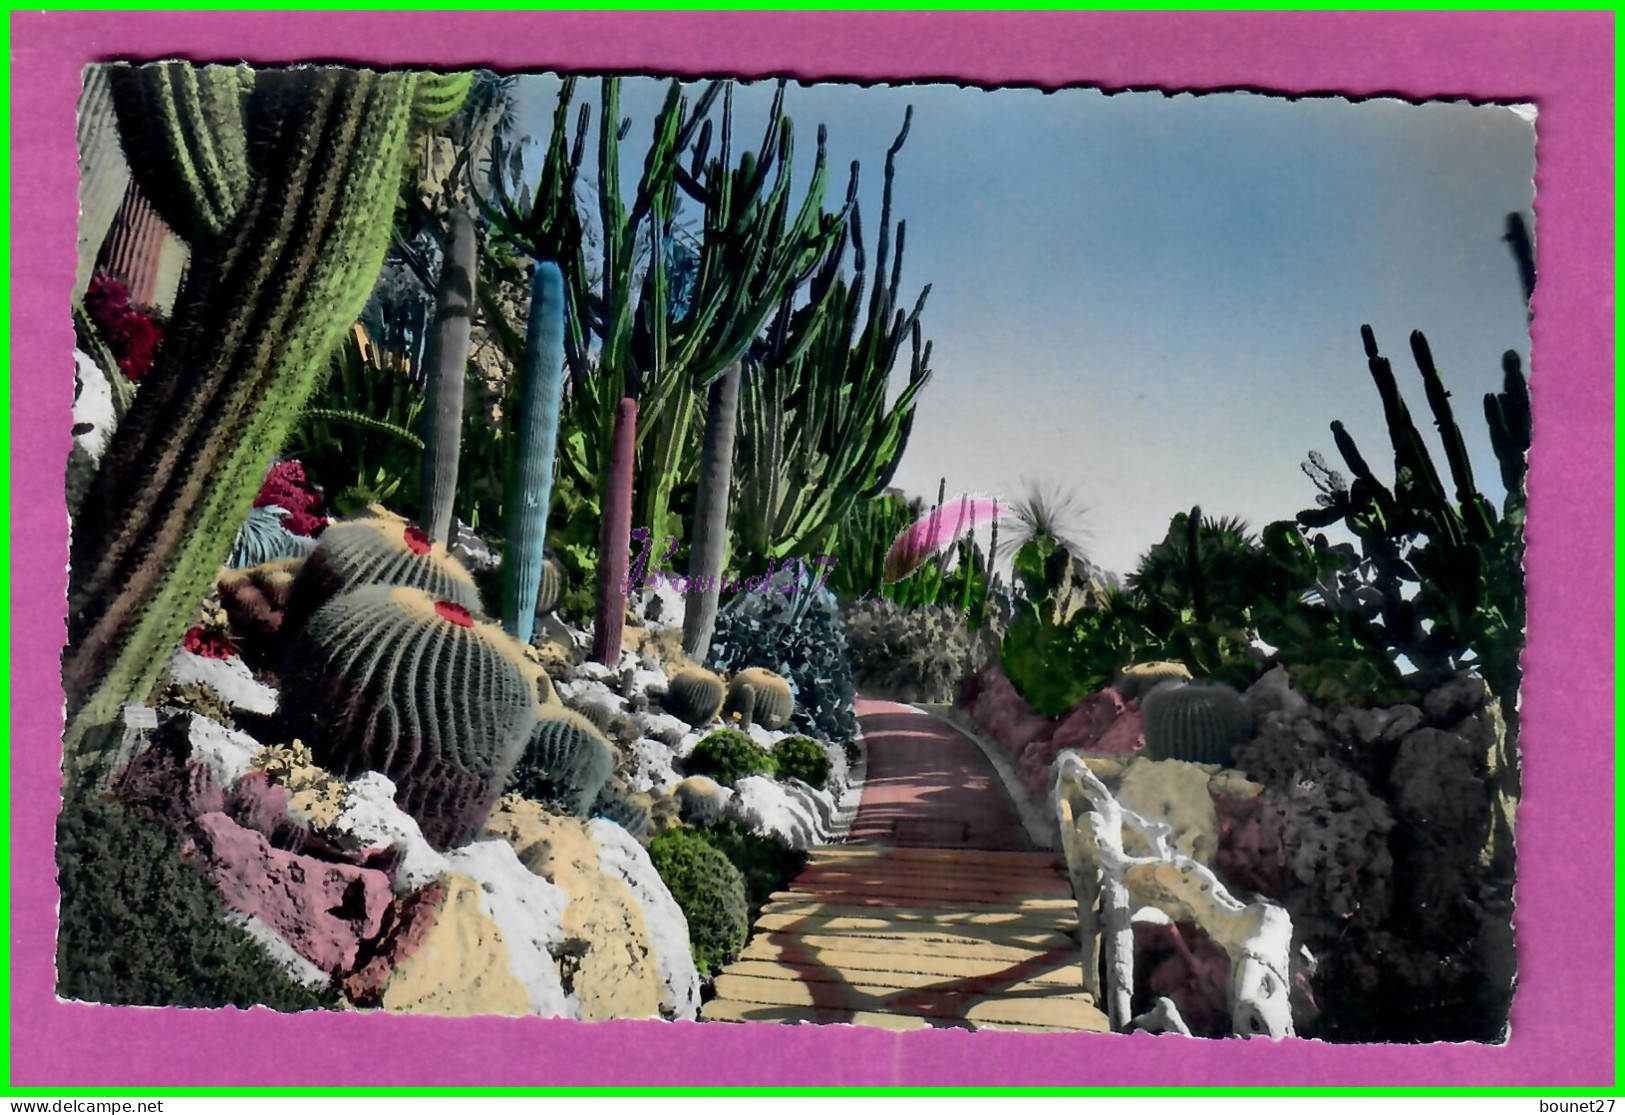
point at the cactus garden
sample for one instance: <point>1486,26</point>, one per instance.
<point>547,546</point>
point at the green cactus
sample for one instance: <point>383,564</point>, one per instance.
<point>625,810</point>
<point>391,679</point>
<point>566,762</point>
<point>615,539</point>
<point>828,359</point>
<point>262,539</point>
<point>742,705</point>
<point>266,301</point>
<point>771,701</point>
<point>524,561</point>
<point>695,695</point>
<point>550,587</point>
<point>1134,682</point>
<point>384,550</point>
<point>446,369</point>
<point>1196,723</point>
<point>800,757</point>
<point>709,551</point>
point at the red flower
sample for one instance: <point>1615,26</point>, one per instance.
<point>208,644</point>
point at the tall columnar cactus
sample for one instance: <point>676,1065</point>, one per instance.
<point>709,548</point>
<point>615,541</point>
<point>446,366</point>
<point>828,358</point>
<point>395,681</point>
<point>384,550</point>
<point>1197,723</point>
<point>566,762</point>
<point>531,493</point>
<point>268,296</point>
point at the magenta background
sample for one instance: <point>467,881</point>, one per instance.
<point>1563,1017</point>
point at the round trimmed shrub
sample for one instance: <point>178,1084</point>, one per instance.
<point>727,756</point>
<point>710,891</point>
<point>800,757</point>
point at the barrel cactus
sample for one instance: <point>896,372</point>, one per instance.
<point>377,550</point>
<point>1196,723</point>
<point>565,764</point>
<point>770,694</point>
<point>1135,681</point>
<point>630,811</point>
<point>551,586</point>
<point>695,696</point>
<point>394,680</point>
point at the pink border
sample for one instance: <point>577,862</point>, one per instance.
<point>1563,1016</point>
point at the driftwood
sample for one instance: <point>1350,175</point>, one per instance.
<point>1112,885</point>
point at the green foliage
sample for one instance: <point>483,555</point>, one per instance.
<point>859,548</point>
<point>800,757</point>
<point>141,928</point>
<point>709,890</point>
<point>766,862</point>
<point>909,654</point>
<point>728,755</point>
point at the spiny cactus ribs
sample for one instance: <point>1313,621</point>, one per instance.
<point>376,551</point>
<point>762,696</point>
<point>390,679</point>
<point>1196,723</point>
<point>565,764</point>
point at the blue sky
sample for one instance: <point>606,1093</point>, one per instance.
<point>1155,302</point>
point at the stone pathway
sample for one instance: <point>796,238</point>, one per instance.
<point>935,914</point>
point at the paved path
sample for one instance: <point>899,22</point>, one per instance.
<point>935,914</point>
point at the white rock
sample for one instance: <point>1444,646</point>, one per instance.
<point>766,738</point>
<point>93,407</point>
<point>816,801</point>
<point>651,767</point>
<point>660,606</point>
<point>585,691</point>
<point>640,682</point>
<point>621,856</point>
<point>372,817</point>
<point>229,678</point>
<point>661,726</point>
<point>529,910</point>
<point>226,753</point>
<point>693,736</point>
<point>763,806</point>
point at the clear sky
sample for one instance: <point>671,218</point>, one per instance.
<point>1155,301</point>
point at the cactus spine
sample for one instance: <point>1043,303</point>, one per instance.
<point>531,494</point>
<point>616,540</point>
<point>264,304</point>
<point>392,680</point>
<point>446,362</point>
<point>566,762</point>
<point>696,695</point>
<point>376,551</point>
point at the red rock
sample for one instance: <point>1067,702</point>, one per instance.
<point>1126,735</point>
<point>406,926</point>
<point>324,910</point>
<point>1001,712</point>
<point>1082,728</point>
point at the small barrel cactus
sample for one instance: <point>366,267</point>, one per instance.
<point>700,800</point>
<point>695,696</point>
<point>379,550</point>
<point>1134,682</point>
<point>1196,723</point>
<point>630,811</point>
<point>565,764</point>
<point>771,700</point>
<point>390,679</point>
<point>551,586</point>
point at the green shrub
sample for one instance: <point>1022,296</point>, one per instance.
<point>711,892</point>
<point>799,757</point>
<point>141,928</point>
<point>728,755</point>
<point>767,862</point>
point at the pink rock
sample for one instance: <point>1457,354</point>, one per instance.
<point>163,780</point>
<point>1251,855</point>
<point>406,927</point>
<point>324,910</point>
<point>1126,735</point>
<point>1082,728</point>
<point>1002,714</point>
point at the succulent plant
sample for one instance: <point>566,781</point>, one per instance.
<point>550,587</point>
<point>446,370</point>
<point>1198,723</point>
<point>1135,681</point>
<point>769,700</point>
<point>262,538</point>
<point>382,550</point>
<point>795,630</point>
<point>630,811</point>
<point>800,757</point>
<point>728,755</point>
<point>909,654</point>
<point>565,764</point>
<point>695,695</point>
<point>391,679</point>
